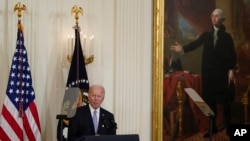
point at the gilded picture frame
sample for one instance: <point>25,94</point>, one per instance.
<point>158,53</point>
<point>158,58</point>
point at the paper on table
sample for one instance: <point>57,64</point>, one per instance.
<point>199,102</point>
<point>194,95</point>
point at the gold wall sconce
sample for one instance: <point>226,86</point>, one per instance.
<point>87,48</point>
<point>86,42</point>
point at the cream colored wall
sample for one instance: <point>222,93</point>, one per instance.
<point>123,58</point>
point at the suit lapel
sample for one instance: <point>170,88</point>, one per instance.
<point>102,116</point>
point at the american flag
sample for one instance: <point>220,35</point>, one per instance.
<point>19,119</point>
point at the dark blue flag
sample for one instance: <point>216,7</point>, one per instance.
<point>77,73</point>
<point>77,78</point>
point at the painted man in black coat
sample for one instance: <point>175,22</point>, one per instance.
<point>218,65</point>
<point>82,123</point>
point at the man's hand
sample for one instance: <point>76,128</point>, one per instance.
<point>177,47</point>
<point>230,76</point>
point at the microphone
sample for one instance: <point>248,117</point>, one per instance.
<point>109,123</point>
<point>114,124</point>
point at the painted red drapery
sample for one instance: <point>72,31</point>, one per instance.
<point>192,115</point>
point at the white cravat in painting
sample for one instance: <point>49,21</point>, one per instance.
<point>215,35</point>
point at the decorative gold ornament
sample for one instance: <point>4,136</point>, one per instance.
<point>76,10</point>
<point>19,8</point>
<point>180,94</point>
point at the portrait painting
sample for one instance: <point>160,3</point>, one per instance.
<point>176,116</point>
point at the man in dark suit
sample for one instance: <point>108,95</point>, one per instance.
<point>83,123</point>
<point>218,65</point>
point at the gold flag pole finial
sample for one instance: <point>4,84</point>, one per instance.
<point>19,8</point>
<point>77,10</point>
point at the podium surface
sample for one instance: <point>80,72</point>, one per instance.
<point>130,137</point>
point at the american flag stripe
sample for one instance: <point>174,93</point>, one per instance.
<point>27,129</point>
<point>10,130</point>
<point>33,108</point>
<point>32,128</point>
<point>4,136</point>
